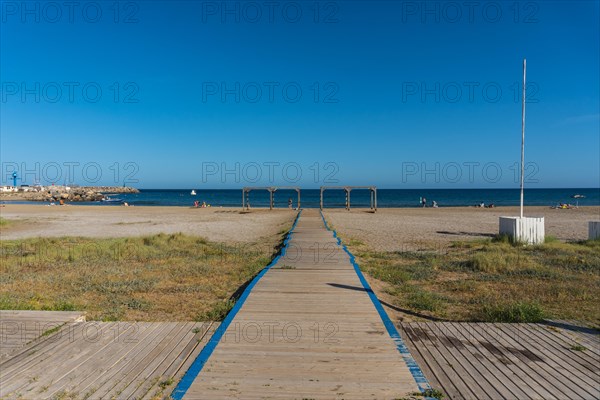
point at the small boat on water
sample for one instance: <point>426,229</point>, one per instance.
<point>193,192</point>
<point>111,200</point>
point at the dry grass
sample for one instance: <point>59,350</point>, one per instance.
<point>491,280</point>
<point>154,278</point>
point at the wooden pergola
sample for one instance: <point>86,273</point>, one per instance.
<point>348,189</point>
<point>270,189</point>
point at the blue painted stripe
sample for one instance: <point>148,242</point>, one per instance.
<point>191,374</point>
<point>414,368</point>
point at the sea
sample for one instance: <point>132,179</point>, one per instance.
<point>310,198</point>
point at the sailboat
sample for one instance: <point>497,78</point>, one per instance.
<point>193,193</point>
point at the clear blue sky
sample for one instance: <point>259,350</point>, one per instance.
<point>400,89</point>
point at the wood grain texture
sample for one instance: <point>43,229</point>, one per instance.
<point>308,329</point>
<point>507,361</point>
<point>104,360</point>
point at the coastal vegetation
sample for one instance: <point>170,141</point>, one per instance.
<point>490,280</point>
<point>164,277</point>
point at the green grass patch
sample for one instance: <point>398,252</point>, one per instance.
<point>51,331</point>
<point>578,347</point>
<point>550,239</point>
<point>218,312</point>
<point>492,279</point>
<point>499,258</point>
<point>422,300</point>
<point>431,393</point>
<point>160,277</point>
<point>513,312</point>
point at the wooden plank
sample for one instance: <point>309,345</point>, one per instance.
<point>484,358</point>
<point>571,384</point>
<point>20,327</point>
<point>529,359</point>
<point>153,361</point>
<point>449,378</point>
<point>129,368</point>
<point>528,378</point>
<point>104,365</point>
<point>588,369</point>
<point>499,349</point>
<point>482,384</point>
<point>180,364</point>
<point>73,363</point>
<point>75,367</point>
<point>587,358</point>
<point>29,363</point>
<point>313,285</point>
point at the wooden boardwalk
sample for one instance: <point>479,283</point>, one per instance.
<point>104,360</point>
<point>18,328</point>
<point>479,361</point>
<point>308,329</point>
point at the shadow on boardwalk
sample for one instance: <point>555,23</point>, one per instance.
<point>552,360</point>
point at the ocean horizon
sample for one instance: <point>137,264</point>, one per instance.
<point>386,198</point>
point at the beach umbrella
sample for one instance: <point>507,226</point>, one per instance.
<point>577,196</point>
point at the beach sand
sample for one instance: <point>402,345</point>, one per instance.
<point>215,224</point>
<point>407,229</point>
<point>389,229</point>
<point>429,229</point>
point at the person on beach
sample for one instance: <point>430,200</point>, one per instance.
<point>196,204</point>
<point>424,202</point>
<point>290,203</point>
<point>434,204</point>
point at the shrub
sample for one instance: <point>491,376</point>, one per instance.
<point>521,311</point>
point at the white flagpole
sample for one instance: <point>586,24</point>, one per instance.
<point>523,134</point>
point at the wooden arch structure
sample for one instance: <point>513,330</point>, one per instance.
<point>348,189</point>
<point>270,189</point>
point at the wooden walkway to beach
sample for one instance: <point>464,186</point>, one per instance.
<point>483,361</point>
<point>101,360</point>
<point>308,329</point>
<point>18,328</point>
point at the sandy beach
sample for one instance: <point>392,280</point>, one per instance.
<point>214,224</point>
<point>392,229</point>
<point>387,230</point>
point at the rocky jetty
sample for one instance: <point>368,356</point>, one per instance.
<point>66,193</point>
<point>111,189</point>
